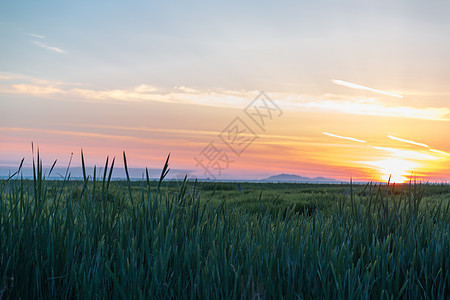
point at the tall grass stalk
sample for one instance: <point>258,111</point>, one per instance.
<point>57,242</point>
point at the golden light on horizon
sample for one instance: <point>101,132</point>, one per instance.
<point>398,170</point>
<point>397,163</point>
<point>400,165</point>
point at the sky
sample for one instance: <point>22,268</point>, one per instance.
<point>232,90</point>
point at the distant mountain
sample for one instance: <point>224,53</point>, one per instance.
<point>297,178</point>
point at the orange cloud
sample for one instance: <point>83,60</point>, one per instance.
<point>222,98</point>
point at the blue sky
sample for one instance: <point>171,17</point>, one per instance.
<point>252,45</point>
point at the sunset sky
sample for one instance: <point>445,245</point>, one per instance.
<point>351,89</point>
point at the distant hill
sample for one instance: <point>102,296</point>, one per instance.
<point>297,178</point>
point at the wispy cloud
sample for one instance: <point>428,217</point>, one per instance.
<point>96,135</point>
<point>39,36</point>
<point>6,76</point>
<point>220,98</point>
<point>183,132</point>
<point>407,154</point>
<point>440,152</point>
<point>139,93</point>
<point>344,137</point>
<point>24,84</point>
<point>143,92</point>
<point>361,87</point>
<point>37,90</point>
<point>419,144</point>
<point>377,109</point>
<point>50,48</point>
<point>407,141</point>
<point>44,45</point>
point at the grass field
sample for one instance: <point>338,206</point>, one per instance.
<point>98,238</point>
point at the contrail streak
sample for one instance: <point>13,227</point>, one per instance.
<point>344,137</point>
<point>408,141</point>
<point>37,35</point>
<point>361,87</point>
<point>51,48</point>
<point>440,152</point>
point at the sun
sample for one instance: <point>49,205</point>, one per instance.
<point>397,169</point>
<point>394,178</point>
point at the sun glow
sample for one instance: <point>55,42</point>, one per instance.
<point>401,164</point>
<point>397,169</point>
<point>391,163</point>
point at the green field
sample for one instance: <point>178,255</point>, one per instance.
<point>98,238</point>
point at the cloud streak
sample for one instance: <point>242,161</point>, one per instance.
<point>407,154</point>
<point>377,109</point>
<point>185,132</point>
<point>440,152</point>
<point>361,87</point>
<point>216,98</point>
<point>47,47</point>
<point>37,35</point>
<point>407,141</point>
<point>418,144</point>
<point>105,136</point>
<point>344,137</point>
